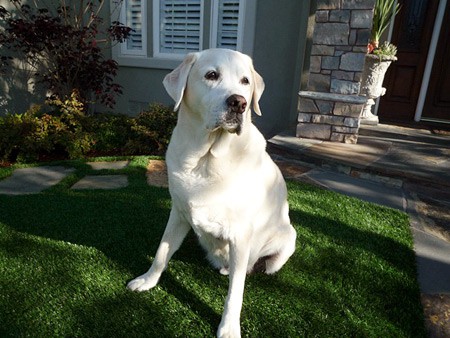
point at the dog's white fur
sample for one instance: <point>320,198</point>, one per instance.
<point>222,182</point>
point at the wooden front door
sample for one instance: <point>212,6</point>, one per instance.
<point>437,102</point>
<point>412,33</point>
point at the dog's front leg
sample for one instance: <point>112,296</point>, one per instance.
<point>230,324</point>
<point>176,231</point>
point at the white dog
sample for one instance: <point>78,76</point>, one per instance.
<point>222,182</point>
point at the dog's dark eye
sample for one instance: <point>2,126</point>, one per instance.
<point>212,75</point>
<point>245,80</point>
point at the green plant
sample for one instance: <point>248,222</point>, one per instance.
<point>14,136</point>
<point>387,50</point>
<point>152,130</point>
<point>72,136</point>
<point>63,131</point>
<point>62,43</point>
<point>383,12</point>
<point>39,135</point>
<point>112,132</point>
<point>147,133</point>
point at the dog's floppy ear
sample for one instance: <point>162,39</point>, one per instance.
<point>175,82</point>
<point>257,91</point>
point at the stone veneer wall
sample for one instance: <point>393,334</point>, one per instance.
<point>330,117</point>
<point>330,107</point>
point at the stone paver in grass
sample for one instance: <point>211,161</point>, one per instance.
<point>33,180</point>
<point>157,173</point>
<point>115,165</point>
<point>101,182</point>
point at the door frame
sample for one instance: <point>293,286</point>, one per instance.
<point>429,63</point>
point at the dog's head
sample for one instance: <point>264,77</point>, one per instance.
<point>218,85</point>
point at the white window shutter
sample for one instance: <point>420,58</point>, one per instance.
<point>134,17</point>
<point>228,24</point>
<point>180,26</point>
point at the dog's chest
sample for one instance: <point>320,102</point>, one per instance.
<point>215,193</point>
<point>212,204</point>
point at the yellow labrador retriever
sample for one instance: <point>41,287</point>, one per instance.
<point>222,182</point>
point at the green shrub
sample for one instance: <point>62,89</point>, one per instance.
<point>28,138</point>
<point>152,130</point>
<point>70,135</point>
<point>14,136</point>
<point>36,135</point>
<point>67,133</point>
<point>111,133</point>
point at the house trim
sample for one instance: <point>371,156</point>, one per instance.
<point>248,24</point>
<point>430,60</point>
<point>215,22</point>
<point>134,52</point>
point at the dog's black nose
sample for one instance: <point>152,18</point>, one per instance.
<point>237,103</point>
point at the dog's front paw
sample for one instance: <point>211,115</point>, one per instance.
<point>142,283</point>
<point>229,330</point>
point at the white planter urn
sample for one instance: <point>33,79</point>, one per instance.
<point>372,84</point>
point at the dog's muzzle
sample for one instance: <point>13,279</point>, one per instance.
<point>236,105</point>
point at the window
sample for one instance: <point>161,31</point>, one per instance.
<point>134,17</point>
<point>226,23</point>
<point>178,27</point>
<point>182,26</point>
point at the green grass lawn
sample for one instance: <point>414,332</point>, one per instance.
<point>65,258</point>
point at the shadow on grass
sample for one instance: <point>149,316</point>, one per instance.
<point>80,292</point>
<point>347,278</point>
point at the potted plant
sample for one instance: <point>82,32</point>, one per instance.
<point>378,58</point>
<point>383,12</point>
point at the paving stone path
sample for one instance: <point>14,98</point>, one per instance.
<point>103,182</point>
<point>116,165</point>
<point>157,173</point>
<point>34,180</point>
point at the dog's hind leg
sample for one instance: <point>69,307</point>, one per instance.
<point>286,249</point>
<point>176,231</point>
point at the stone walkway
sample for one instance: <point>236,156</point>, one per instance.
<point>103,182</point>
<point>157,173</point>
<point>35,180</point>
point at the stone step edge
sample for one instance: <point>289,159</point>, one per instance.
<point>394,178</point>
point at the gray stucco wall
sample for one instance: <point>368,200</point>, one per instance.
<point>279,50</point>
<point>17,90</point>
<point>141,86</point>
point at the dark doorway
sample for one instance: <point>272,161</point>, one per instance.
<point>412,33</point>
<point>437,102</point>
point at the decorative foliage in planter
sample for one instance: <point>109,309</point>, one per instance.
<point>375,68</point>
<point>383,12</point>
<point>378,59</point>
